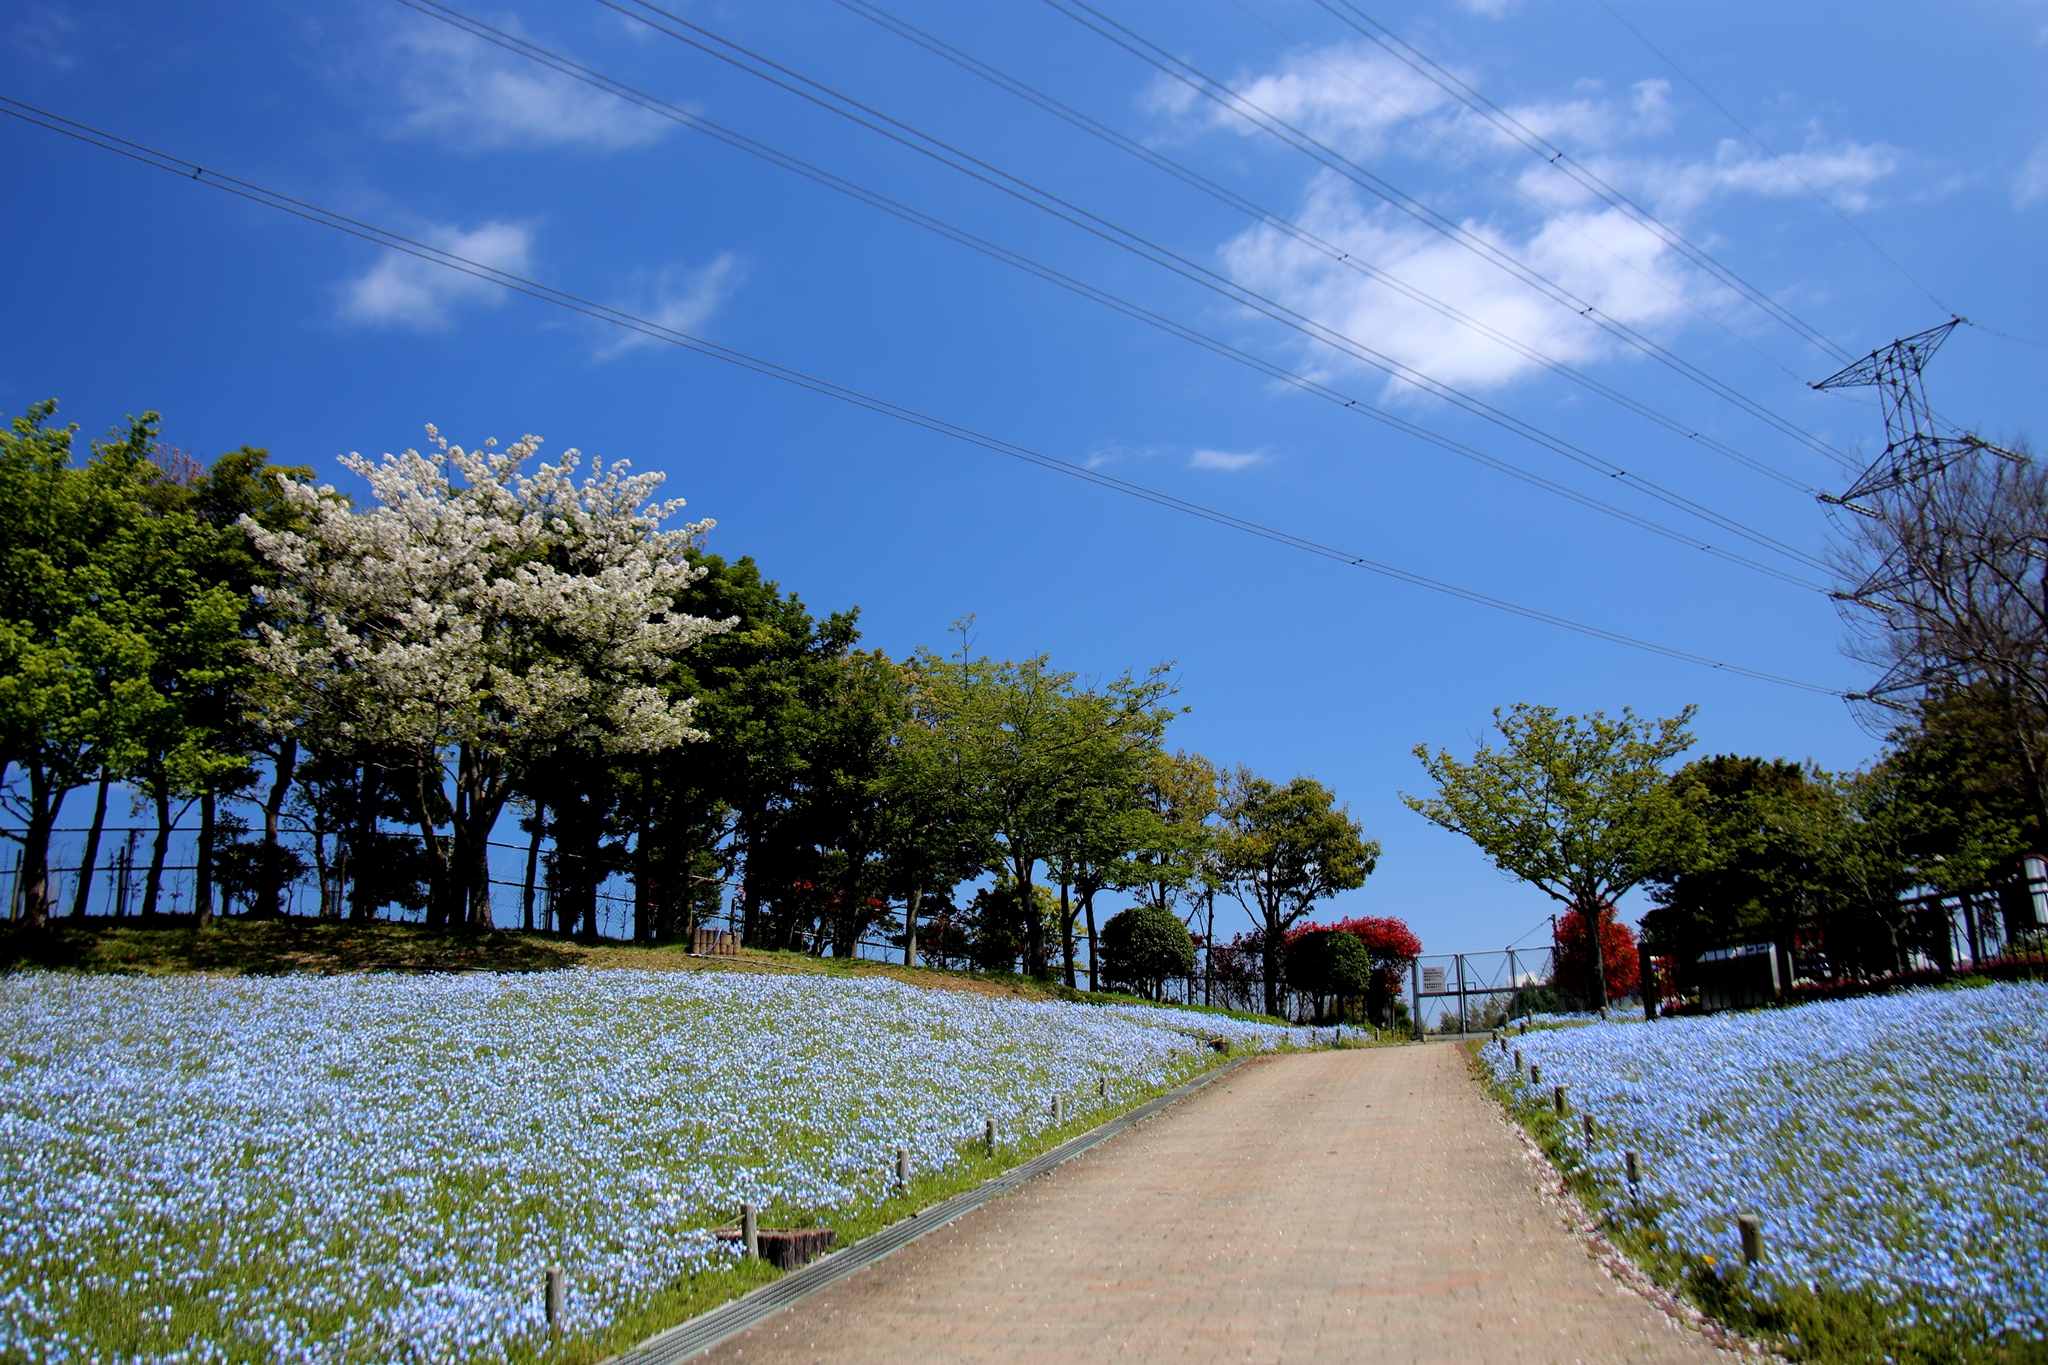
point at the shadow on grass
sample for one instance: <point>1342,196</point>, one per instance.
<point>273,947</point>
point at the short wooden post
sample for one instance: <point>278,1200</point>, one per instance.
<point>750,1229</point>
<point>1518,1063</point>
<point>988,1136</point>
<point>1628,1164</point>
<point>1586,1122</point>
<point>1557,1100</point>
<point>1102,1087</point>
<point>1059,1110</point>
<point>557,1295</point>
<point>1752,1229</point>
<point>902,1168</point>
<point>1535,1073</point>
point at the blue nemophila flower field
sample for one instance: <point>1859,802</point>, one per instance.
<point>1893,1144</point>
<point>380,1168</point>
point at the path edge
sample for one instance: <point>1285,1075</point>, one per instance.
<point>1619,1266</point>
<point>728,1320</point>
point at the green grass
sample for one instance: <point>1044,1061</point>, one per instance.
<point>1821,1324</point>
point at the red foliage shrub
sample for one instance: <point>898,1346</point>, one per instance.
<point>1574,974</point>
<point>1388,941</point>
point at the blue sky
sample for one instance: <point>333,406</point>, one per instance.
<point>1864,132</point>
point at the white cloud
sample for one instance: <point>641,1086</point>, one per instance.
<point>1844,174</point>
<point>1227,461</point>
<point>1112,452</point>
<point>1556,225</point>
<point>1348,97</point>
<point>405,291</point>
<point>2031,184</point>
<point>472,94</point>
<point>679,298</point>
<point>47,34</point>
<point>1489,9</point>
<point>1577,248</point>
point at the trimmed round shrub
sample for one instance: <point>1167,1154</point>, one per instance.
<point>1329,963</point>
<point>1143,947</point>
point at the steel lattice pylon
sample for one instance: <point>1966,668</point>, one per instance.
<point>1913,449</point>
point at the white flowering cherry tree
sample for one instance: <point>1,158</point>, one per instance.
<point>474,620</point>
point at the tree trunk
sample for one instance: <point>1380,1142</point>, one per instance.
<point>1088,907</point>
<point>644,908</point>
<point>1269,952</point>
<point>439,880</point>
<point>910,907</point>
<point>328,872</point>
<point>362,903</point>
<point>481,794</point>
<point>35,848</point>
<point>1036,962</point>
<point>202,873</point>
<point>540,817</point>
<point>88,863</point>
<point>577,838</point>
<point>1067,932</point>
<point>273,807</point>
<point>1594,917</point>
<point>153,886</point>
<point>1209,953</point>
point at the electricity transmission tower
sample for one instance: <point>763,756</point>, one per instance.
<point>1914,450</point>
<point>1900,590</point>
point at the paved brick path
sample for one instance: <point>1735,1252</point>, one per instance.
<point>1337,1206</point>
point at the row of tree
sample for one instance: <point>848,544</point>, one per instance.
<point>1943,571</point>
<point>1735,849</point>
<point>492,641</point>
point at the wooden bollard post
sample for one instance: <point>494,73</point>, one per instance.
<point>989,1136</point>
<point>1752,1229</point>
<point>750,1229</point>
<point>902,1168</point>
<point>1535,1073</point>
<point>1557,1099</point>
<point>1518,1063</point>
<point>1102,1087</point>
<point>557,1295</point>
<point>1586,1122</point>
<point>1629,1167</point>
<point>1059,1110</point>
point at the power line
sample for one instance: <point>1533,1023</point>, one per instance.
<point>1145,249</point>
<point>617,317</point>
<point>1678,296</point>
<point>1783,164</point>
<point>1434,72</point>
<point>1226,97</point>
<point>1267,217</point>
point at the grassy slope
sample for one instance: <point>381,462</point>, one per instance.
<point>245,947</point>
<point>1827,1326</point>
<point>236,947</point>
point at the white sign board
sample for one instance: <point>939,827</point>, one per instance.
<point>1432,980</point>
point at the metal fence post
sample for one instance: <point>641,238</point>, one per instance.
<point>1461,994</point>
<point>1415,995</point>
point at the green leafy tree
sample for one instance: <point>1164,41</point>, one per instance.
<point>1284,848</point>
<point>1022,735</point>
<point>97,595</point>
<point>1329,964</point>
<point>1144,947</point>
<point>730,799</point>
<point>1757,855</point>
<point>1578,807</point>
